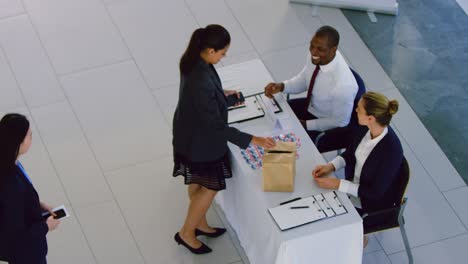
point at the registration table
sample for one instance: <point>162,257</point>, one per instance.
<point>334,240</point>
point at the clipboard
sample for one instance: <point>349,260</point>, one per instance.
<point>253,108</point>
<point>320,206</point>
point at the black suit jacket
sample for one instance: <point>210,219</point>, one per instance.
<point>379,173</point>
<point>22,228</point>
<point>200,129</point>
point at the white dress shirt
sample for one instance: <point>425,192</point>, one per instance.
<point>333,93</point>
<point>363,150</point>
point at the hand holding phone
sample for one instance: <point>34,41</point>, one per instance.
<point>52,223</point>
<point>60,212</point>
<point>233,100</point>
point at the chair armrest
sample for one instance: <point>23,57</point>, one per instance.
<point>395,209</point>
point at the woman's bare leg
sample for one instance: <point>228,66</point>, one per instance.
<point>200,201</point>
<point>203,225</point>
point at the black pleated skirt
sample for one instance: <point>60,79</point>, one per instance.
<point>209,174</point>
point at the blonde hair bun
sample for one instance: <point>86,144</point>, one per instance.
<point>392,107</point>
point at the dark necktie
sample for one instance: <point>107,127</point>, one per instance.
<point>311,86</point>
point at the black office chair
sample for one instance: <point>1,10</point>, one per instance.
<point>338,138</point>
<point>392,217</point>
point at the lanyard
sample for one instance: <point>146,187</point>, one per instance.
<point>24,171</point>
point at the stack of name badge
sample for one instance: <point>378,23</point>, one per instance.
<point>253,154</point>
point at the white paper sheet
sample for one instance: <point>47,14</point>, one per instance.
<point>321,206</point>
<point>251,110</point>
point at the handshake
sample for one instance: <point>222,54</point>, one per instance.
<point>273,88</point>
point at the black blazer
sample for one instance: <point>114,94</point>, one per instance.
<point>379,173</point>
<point>200,130</point>
<point>22,228</point>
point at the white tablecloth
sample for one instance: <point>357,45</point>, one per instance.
<point>334,240</point>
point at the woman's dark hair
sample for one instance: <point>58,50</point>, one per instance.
<point>212,36</point>
<point>13,130</point>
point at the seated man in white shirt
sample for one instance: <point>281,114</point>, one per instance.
<point>330,85</point>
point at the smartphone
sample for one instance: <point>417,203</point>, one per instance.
<point>60,212</point>
<point>232,99</point>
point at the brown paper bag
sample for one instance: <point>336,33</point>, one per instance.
<point>279,167</point>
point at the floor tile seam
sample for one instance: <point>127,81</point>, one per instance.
<point>153,91</point>
<point>422,124</point>
<point>262,58</point>
<point>93,204</point>
<point>278,50</point>
<point>418,158</point>
<point>140,72</point>
<point>456,213</point>
<point>425,244</point>
<point>225,221</point>
<point>49,157</point>
<point>78,70</point>
<point>371,251</point>
<point>12,16</point>
<point>434,182</point>
<point>27,104</point>
<point>42,140</point>
<point>380,245</point>
<point>455,188</point>
<point>216,208</point>
<point>88,144</point>
<point>164,87</point>
<point>92,68</point>
<point>38,106</point>
<point>295,46</point>
<point>114,197</point>
<point>23,102</point>
<point>236,262</point>
<point>436,145</point>
<point>244,32</point>
<point>136,164</point>
<point>192,13</point>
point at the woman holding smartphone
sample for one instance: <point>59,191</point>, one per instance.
<point>201,133</point>
<point>22,228</point>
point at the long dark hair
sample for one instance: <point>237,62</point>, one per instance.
<point>212,36</point>
<point>13,130</point>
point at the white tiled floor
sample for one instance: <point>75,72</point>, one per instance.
<point>29,61</point>
<point>10,8</point>
<point>99,81</point>
<point>464,5</point>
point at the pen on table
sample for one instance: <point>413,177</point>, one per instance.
<point>292,200</point>
<point>298,207</point>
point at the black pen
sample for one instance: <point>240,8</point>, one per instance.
<point>295,199</point>
<point>298,207</point>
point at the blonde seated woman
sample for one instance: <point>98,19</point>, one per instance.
<point>371,161</point>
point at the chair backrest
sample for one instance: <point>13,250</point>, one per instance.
<point>402,181</point>
<point>391,216</point>
<point>361,90</point>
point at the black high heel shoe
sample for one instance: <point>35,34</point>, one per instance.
<point>218,232</point>
<point>203,249</point>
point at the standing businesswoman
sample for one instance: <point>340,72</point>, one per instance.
<point>372,160</point>
<point>22,228</point>
<point>200,133</point>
